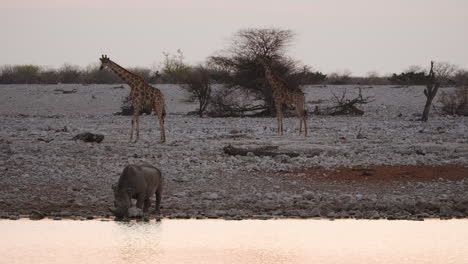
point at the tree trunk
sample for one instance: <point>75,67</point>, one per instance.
<point>427,108</point>
<point>430,92</point>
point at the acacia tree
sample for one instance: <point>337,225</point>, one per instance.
<point>198,83</point>
<point>241,67</point>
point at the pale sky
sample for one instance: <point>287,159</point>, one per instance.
<point>332,35</point>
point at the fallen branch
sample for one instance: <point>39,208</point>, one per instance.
<point>345,106</point>
<point>89,137</point>
<point>261,151</point>
<point>65,91</point>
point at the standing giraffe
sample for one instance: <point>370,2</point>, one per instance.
<point>283,95</point>
<point>141,94</point>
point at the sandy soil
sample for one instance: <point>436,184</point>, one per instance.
<point>384,164</point>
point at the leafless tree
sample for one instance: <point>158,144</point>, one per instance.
<point>264,42</point>
<point>444,72</point>
<point>240,62</point>
<point>430,92</point>
<point>198,84</point>
<point>439,73</point>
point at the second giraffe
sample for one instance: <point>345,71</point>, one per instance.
<point>283,95</point>
<point>141,94</point>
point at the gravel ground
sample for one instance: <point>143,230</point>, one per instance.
<point>384,164</point>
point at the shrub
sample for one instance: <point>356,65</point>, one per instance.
<point>70,74</point>
<point>49,76</point>
<point>92,74</point>
<point>174,69</point>
<point>456,101</point>
<point>409,78</point>
<point>339,78</point>
<point>306,76</point>
<point>144,73</point>
<point>198,84</point>
<point>127,107</point>
<point>20,74</point>
<point>460,78</point>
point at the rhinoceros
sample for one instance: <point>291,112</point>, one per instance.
<point>139,182</point>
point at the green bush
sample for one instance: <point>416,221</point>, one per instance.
<point>174,69</point>
<point>26,74</point>
<point>409,78</point>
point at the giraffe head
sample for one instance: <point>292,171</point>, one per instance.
<point>104,61</point>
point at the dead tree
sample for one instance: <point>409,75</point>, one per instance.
<point>345,106</point>
<point>430,92</point>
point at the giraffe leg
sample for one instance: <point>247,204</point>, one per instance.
<point>305,124</point>
<point>161,127</point>
<point>135,122</point>
<point>300,116</point>
<point>279,114</point>
<point>300,126</point>
<point>137,128</point>
<point>131,130</point>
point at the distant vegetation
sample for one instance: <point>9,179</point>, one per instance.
<point>172,72</point>
<point>234,67</point>
<point>242,76</point>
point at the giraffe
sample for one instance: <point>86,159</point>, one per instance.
<point>283,95</point>
<point>141,94</point>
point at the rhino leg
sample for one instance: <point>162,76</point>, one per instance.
<point>146,205</point>
<point>158,200</point>
<point>140,200</point>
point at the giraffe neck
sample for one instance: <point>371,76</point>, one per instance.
<point>270,77</point>
<point>124,74</point>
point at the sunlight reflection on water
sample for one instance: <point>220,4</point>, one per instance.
<point>248,241</point>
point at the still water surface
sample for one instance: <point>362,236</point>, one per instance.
<point>248,241</point>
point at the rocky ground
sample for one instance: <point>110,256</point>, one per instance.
<point>384,164</point>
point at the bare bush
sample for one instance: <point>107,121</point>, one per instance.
<point>344,105</point>
<point>444,72</point>
<point>373,78</point>
<point>92,74</point>
<point>460,78</point>
<point>230,102</point>
<point>198,84</point>
<point>144,73</point>
<point>456,101</point>
<point>49,76</point>
<point>127,108</point>
<point>339,77</point>
<point>70,74</point>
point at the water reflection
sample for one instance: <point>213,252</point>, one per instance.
<point>138,241</point>
<point>213,241</point>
